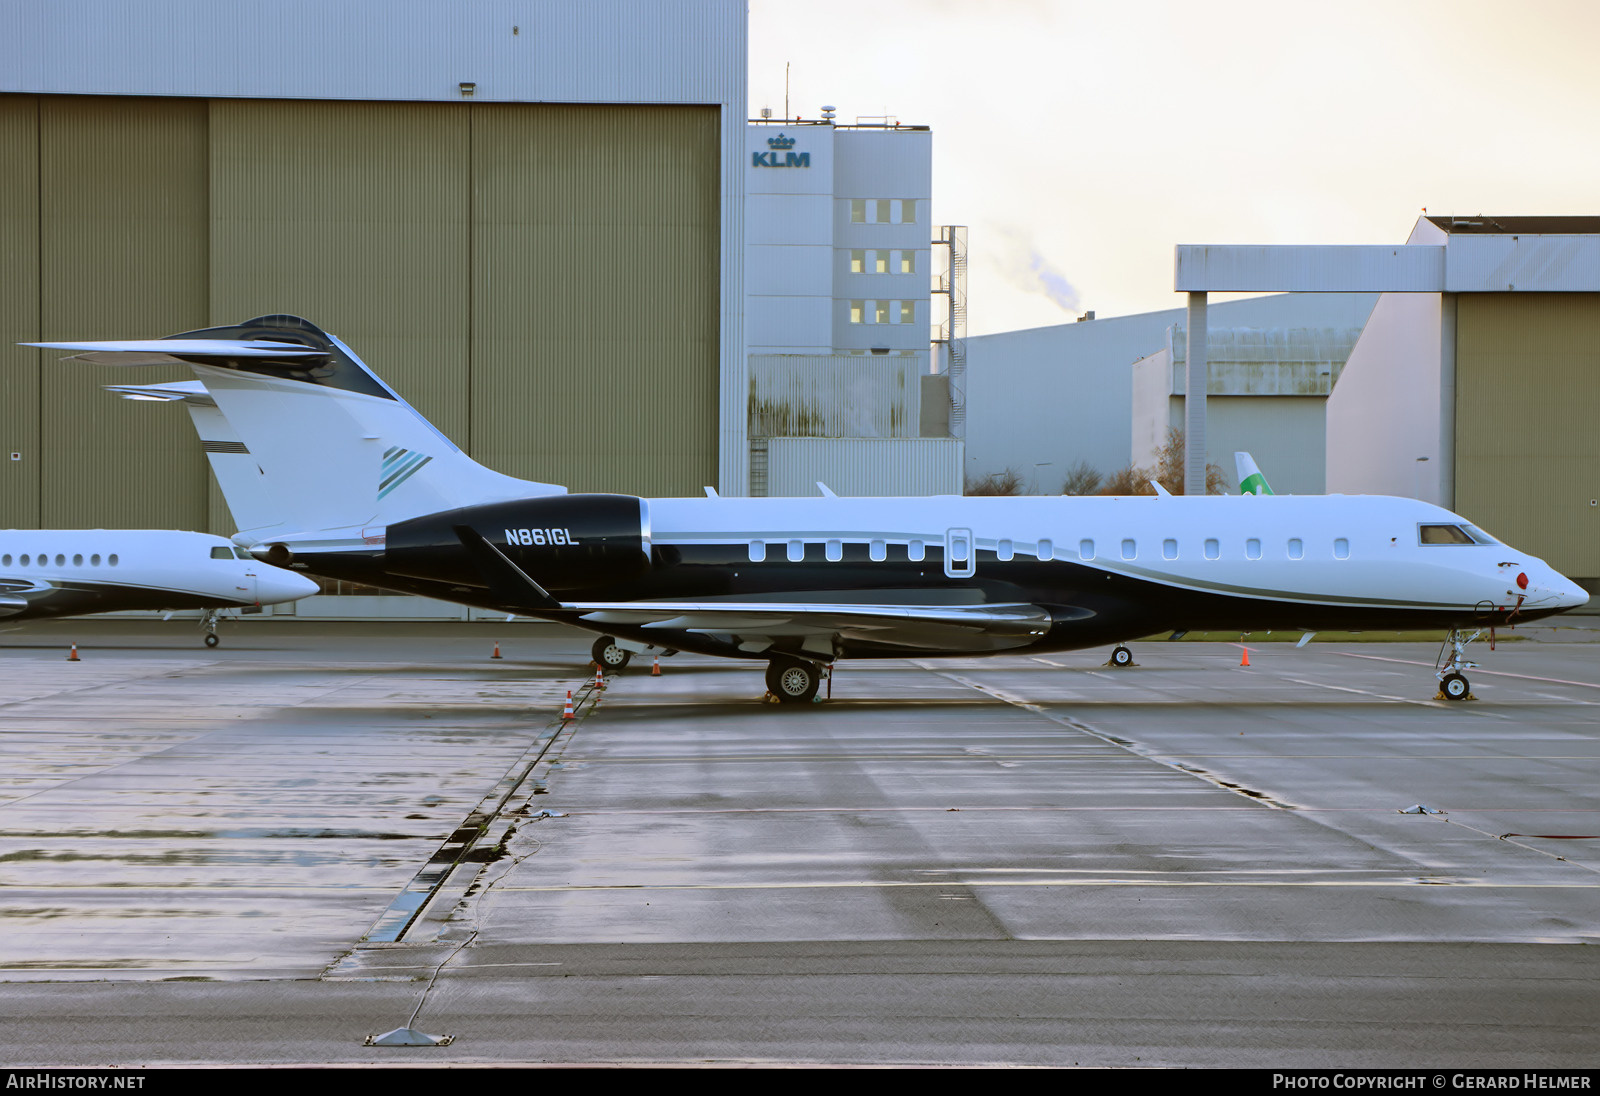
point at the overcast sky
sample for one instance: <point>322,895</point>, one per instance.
<point>1082,141</point>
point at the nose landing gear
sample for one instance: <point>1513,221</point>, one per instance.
<point>208,624</point>
<point>1453,684</point>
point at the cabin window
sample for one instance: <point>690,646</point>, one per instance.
<point>1086,549</point>
<point>1169,549</point>
<point>1004,551</point>
<point>1213,548</point>
<point>112,559</point>
<point>61,560</point>
<point>1443,534</point>
<point>25,559</point>
<point>1252,548</point>
<point>916,551</point>
<point>1341,548</point>
<point>77,561</point>
<point>758,551</point>
<point>94,560</point>
<point>221,553</point>
<point>1130,549</point>
<point>1045,549</point>
<point>835,551</point>
<point>1297,548</point>
<point>797,551</point>
<point>878,551</point>
<point>43,560</point>
<point>5,560</point>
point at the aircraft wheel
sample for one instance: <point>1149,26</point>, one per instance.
<point>608,655</point>
<point>793,681</point>
<point>212,640</point>
<point>1121,656</point>
<point>1454,687</point>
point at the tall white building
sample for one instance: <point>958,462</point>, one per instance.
<point>838,223</point>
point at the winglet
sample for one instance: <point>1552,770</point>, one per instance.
<point>827,492</point>
<point>1160,490</point>
<point>506,580</point>
<point>711,493</point>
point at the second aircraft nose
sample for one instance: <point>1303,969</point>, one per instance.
<point>274,584</point>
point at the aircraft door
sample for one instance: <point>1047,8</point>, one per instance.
<point>960,558</point>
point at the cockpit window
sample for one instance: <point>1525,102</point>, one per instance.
<point>221,553</point>
<point>1479,535</point>
<point>1444,534</point>
<point>240,553</point>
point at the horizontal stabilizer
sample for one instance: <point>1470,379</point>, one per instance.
<point>187,391</point>
<point>182,351</point>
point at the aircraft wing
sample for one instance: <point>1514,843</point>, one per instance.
<point>755,625</point>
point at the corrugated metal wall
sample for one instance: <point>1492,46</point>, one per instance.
<point>540,280</point>
<point>835,396</point>
<point>1528,422</point>
<point>864,466</point>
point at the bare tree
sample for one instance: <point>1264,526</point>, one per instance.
<point>1128,480</point>
<point>1169,467</point>
<point>1082,479</point>
<point>1008,482</point>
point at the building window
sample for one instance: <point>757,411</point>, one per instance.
<point>908,311</point>
<point>1086,549</point>
<point>882,211</point>
<point>880,262</point>
<point>858,261</point>
<point>1252,548</point>
<point>758,551</point>
<point>835,551</point>
<point>1213,549</point>
<point>908,211</point>
<point>1169,549</point>
<point>908,262</point>
<point>857,309</point>
<point>1045,549</point>
<point>858,211</point>
<point>1341,548</point>
<point>1297,549</point>
<point>878,551</point>
<point>880,311</point>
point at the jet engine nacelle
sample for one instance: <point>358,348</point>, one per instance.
<point>562,542</point>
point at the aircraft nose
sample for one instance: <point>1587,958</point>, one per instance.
<point>1568,594</point>
<point>274,584</point>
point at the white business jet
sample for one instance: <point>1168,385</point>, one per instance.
<point>70,572</point>
<point>361,487</point>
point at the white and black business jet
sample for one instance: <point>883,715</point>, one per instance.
<point>47,573</point>
<point>363,488</point>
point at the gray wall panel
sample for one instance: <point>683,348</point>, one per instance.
<point>19,310</point>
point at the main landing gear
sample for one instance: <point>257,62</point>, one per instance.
<point>1453,684</point>
<point>793,680</point>
<point>608,656</point>
<point>1120,657</point>
<point>208,624</point>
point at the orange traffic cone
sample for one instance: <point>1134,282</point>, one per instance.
<point>1245,661</point>
<point>599,678</point>
<point>496,651</point>
<point>655,667</point>
<point>566,711</point>
<point>72,655</point>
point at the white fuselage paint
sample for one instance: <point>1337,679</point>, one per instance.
<point>1358,550</point>
<point>133,568</point>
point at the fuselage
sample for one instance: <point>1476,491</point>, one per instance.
<point>68,572</point>
<point>1106,568</point>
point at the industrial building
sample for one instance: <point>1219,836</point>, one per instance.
<point>1044,400</point>
<point>528,218</point>
<point>838,263</point>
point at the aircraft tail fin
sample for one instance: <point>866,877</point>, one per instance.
<point>1251,481</point>
<point>341,453</point>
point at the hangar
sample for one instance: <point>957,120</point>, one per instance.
<point>529,218</point>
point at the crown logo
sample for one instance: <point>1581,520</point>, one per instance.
<point>780,142</point>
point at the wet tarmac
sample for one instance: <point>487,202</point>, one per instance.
<point>315,833</point>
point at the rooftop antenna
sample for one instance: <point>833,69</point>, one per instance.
<point>827,114</point>
<point>786,91</point>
